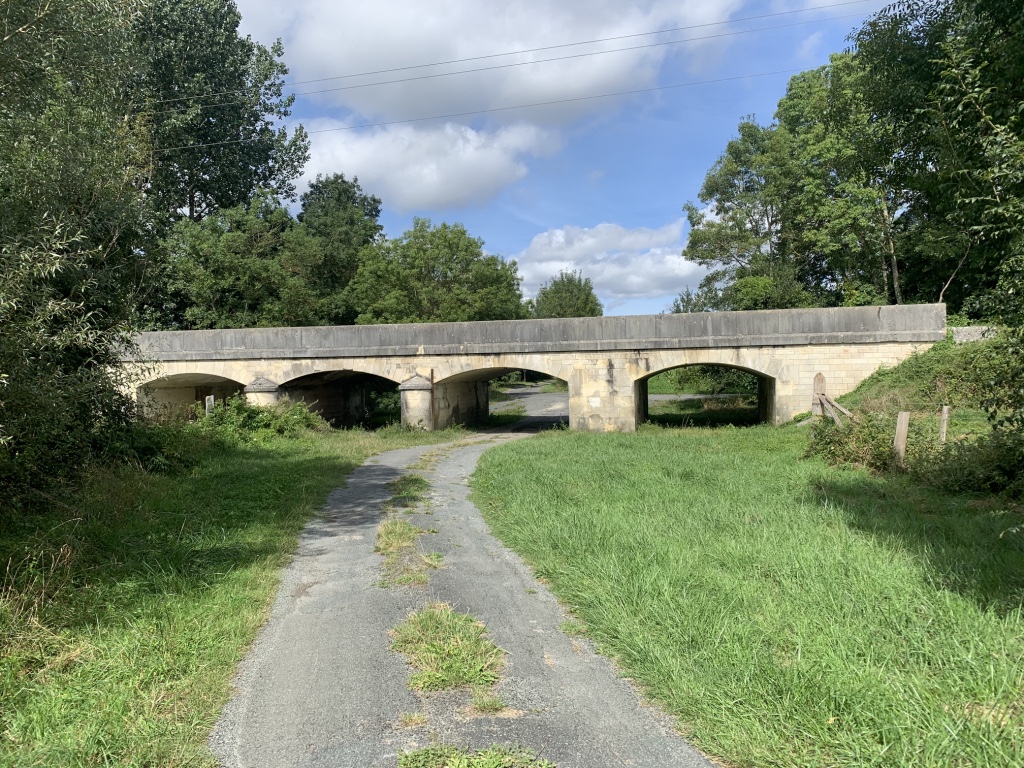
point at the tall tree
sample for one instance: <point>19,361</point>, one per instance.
<point>214,99</point>
<point>568,294</point>
<point>433,274</point>
<point>912,52</point>
<point>73,221</point>
<point>243,267</point>
<point>738,234</point>
<point>345,219</point>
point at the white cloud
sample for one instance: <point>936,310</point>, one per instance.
<point>324,38</point>
<point>429,167</point>
<point>622,263</point>
<point>809,47</point>
<point>423,165</point>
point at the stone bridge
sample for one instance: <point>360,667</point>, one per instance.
<point>442,369</point>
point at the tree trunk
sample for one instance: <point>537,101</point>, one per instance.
<point>892,252</point>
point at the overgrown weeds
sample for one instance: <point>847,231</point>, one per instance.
<point>447,649</point>
<point>440,756</point>
<point>403,563</point>
<point>977,459</point>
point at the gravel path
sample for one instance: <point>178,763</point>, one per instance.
<point>320,687</point>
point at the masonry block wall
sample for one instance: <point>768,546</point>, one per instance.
<point>442,369</point>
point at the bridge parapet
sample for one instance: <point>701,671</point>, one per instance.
<point>605,360</point>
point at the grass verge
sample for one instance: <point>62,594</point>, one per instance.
<point>453,757</point>
<point>447,649</point>
<point>506,416</point>
<point>705,412</point>
<point>786,612</point>
<point>409,490</point>
<point>125,607</point>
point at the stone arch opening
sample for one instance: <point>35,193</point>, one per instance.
<point>347,398</point>
<point>473,397</point>
<point>171,396</point>
<point>706,394</point>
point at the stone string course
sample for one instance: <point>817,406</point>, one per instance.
<point>442,368</point>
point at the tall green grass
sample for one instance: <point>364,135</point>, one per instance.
<point>787,613</point>
<point>125,607</point>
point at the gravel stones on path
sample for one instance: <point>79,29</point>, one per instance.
<point>321,687</point>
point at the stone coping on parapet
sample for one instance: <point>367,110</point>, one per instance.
<point>919,323</point>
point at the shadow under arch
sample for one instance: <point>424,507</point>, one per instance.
<point>346,397</point>
<point>468,398</point>
<point>715,400</point>
<point>168,396</point>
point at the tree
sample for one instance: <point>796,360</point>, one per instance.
<point>567,295</point>
<point>433,274</point>
<point>213,98</point>
<point>738,234</point>
<point>244,267</point>
<point>911,53</point>
<point>336,211</point>
<point>72,224</point>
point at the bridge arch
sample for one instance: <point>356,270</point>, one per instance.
<point>464,397</point>
<point>346,396</point>
<point>169,395</point>
<point>760,385</point>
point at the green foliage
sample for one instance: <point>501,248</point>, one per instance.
<point>784,612</point>
<point>337,212</point>
<point>234,417</point>
<point>72,222</point>
<point>433,274</point>
<point>961,376</point>
<point>567,295</point>
<point>991,464</point>
<point>440,756</point>
<point>244,267</point>
<point>946,374</point>
<point>213,99</point>
<point>711,380</point>
<point>448,649</point>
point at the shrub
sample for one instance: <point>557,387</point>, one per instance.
<point>235,417</point>
<point>993,463</point>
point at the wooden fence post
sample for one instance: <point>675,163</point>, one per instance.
<point>819,389</point>
<point>900,442</point>
<point>943,424</point>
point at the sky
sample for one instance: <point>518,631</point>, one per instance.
<point>518,151</point>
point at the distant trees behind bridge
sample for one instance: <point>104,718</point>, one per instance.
<point>145,175</point>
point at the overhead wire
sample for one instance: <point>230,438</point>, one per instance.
<point>513,64</point>
<point>538,49</point>
<point>496,109</point>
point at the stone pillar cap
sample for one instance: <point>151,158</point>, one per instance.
<point>416,384</point>
<point>262,385</point>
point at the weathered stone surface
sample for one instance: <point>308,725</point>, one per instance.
<point>442,368</point>
<point>970,333</point>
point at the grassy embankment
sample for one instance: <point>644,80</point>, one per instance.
<point>788,613</point>
<point>125,608</point>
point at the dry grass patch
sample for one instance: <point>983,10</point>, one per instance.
<point>403,564</point>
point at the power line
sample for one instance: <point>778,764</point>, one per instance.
<point>517,64</point>
<point>500,109</point>
<point>537,50</point>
